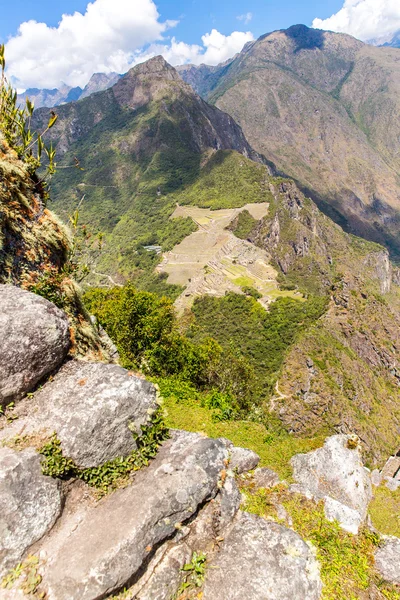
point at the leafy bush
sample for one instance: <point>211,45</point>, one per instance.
<point>260,337</point>
<point>251,291</point>
<point>145,329</point>
<point>243,225</point>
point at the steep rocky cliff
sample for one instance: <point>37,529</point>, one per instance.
<point>323,107</point>
<point>35,248</point>
<point>343,374</point>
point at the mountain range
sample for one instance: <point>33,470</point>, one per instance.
<point>65,93</point>
<point>324,108</point>
<point>186,207</point>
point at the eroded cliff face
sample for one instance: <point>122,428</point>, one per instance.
<point>343,375</point>
<point>35,248</point>
<point>323,107</point>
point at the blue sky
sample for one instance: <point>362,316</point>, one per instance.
<point>49,42</point>
<point>196,16</point>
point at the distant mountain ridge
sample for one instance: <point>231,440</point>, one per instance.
<point>324,108</point>
<point>55,97</point>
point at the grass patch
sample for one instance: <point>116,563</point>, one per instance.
<point>184,410</point>
<point>385,510</point>
<point>347,561</point>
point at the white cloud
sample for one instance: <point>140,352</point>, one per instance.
<point>112,35</point>
<point>364,19</point>
<point>246,18</point>
<point>216,48</point>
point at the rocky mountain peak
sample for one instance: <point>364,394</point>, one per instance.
<point>146,81</point>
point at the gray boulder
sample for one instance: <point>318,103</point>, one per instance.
<point>29,504</point>
<point>230,500</point>
<point>163,575</point>
<point>34,341</point>
<point>92,407</point>
<point>242,459</point>
<point>265,478</point>
<point>261,560</point>
<point>387,560</point>
<point>107,547</point>
<point>335,473</point>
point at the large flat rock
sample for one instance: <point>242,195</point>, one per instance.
<point>92,407</point>
<point>29,504</point>
<point>34,341</point>
<point>335,473</point>
<point>387,560</point>
<point>104,548</point>
<point>261,560</point>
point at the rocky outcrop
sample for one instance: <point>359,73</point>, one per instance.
<point>242,459</point>
<point>257,559</point>
<point>335,474</point>
<point>32,345</point>
<point>30,503</point>
<point>92,408</point>
<point>114,539</point>
<point>387,560</point>
<point>265,478</point>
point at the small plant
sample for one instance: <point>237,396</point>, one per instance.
<point>8,413</point>
<point>194,573</point>
<point>15,125</point>
<point>113,473</point>
<point>26,573</point>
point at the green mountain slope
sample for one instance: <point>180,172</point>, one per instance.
<point>324,108</point>
<point>322,359</point>
<point>139,144</point>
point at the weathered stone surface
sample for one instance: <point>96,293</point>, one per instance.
<point>387,560</point>
<point>165,574</point>
<point>242,459</point>
<point>34,341</point>
<point>349,518</point>
<point>336,471</point>
<point>376,478</point>
<point>230,499</point>
<point>92,407</point>
<point>265,478</point>
<point>104,549</point>
<point>29,504</point>
<point>392,484</point>
<point>261,560</point>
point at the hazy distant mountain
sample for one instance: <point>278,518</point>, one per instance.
<point>391,41</point>
<point>325,109</point>
<point>55,97</point>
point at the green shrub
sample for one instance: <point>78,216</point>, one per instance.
<point>107,476</point>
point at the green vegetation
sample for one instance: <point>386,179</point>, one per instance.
<point>112,473</point>
<point>15,126</point>
<point>347,561</point>
<point>147,334</point>
<point>243,225</point>
<point>262,337</point>
<point>248,290</point>
<point>228,180</point>
<point>274,446</point>
<point>194,573</point>
<point>385,510</point>
<point>27,573</point>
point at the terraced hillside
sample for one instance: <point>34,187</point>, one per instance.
<point>213,261</point>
